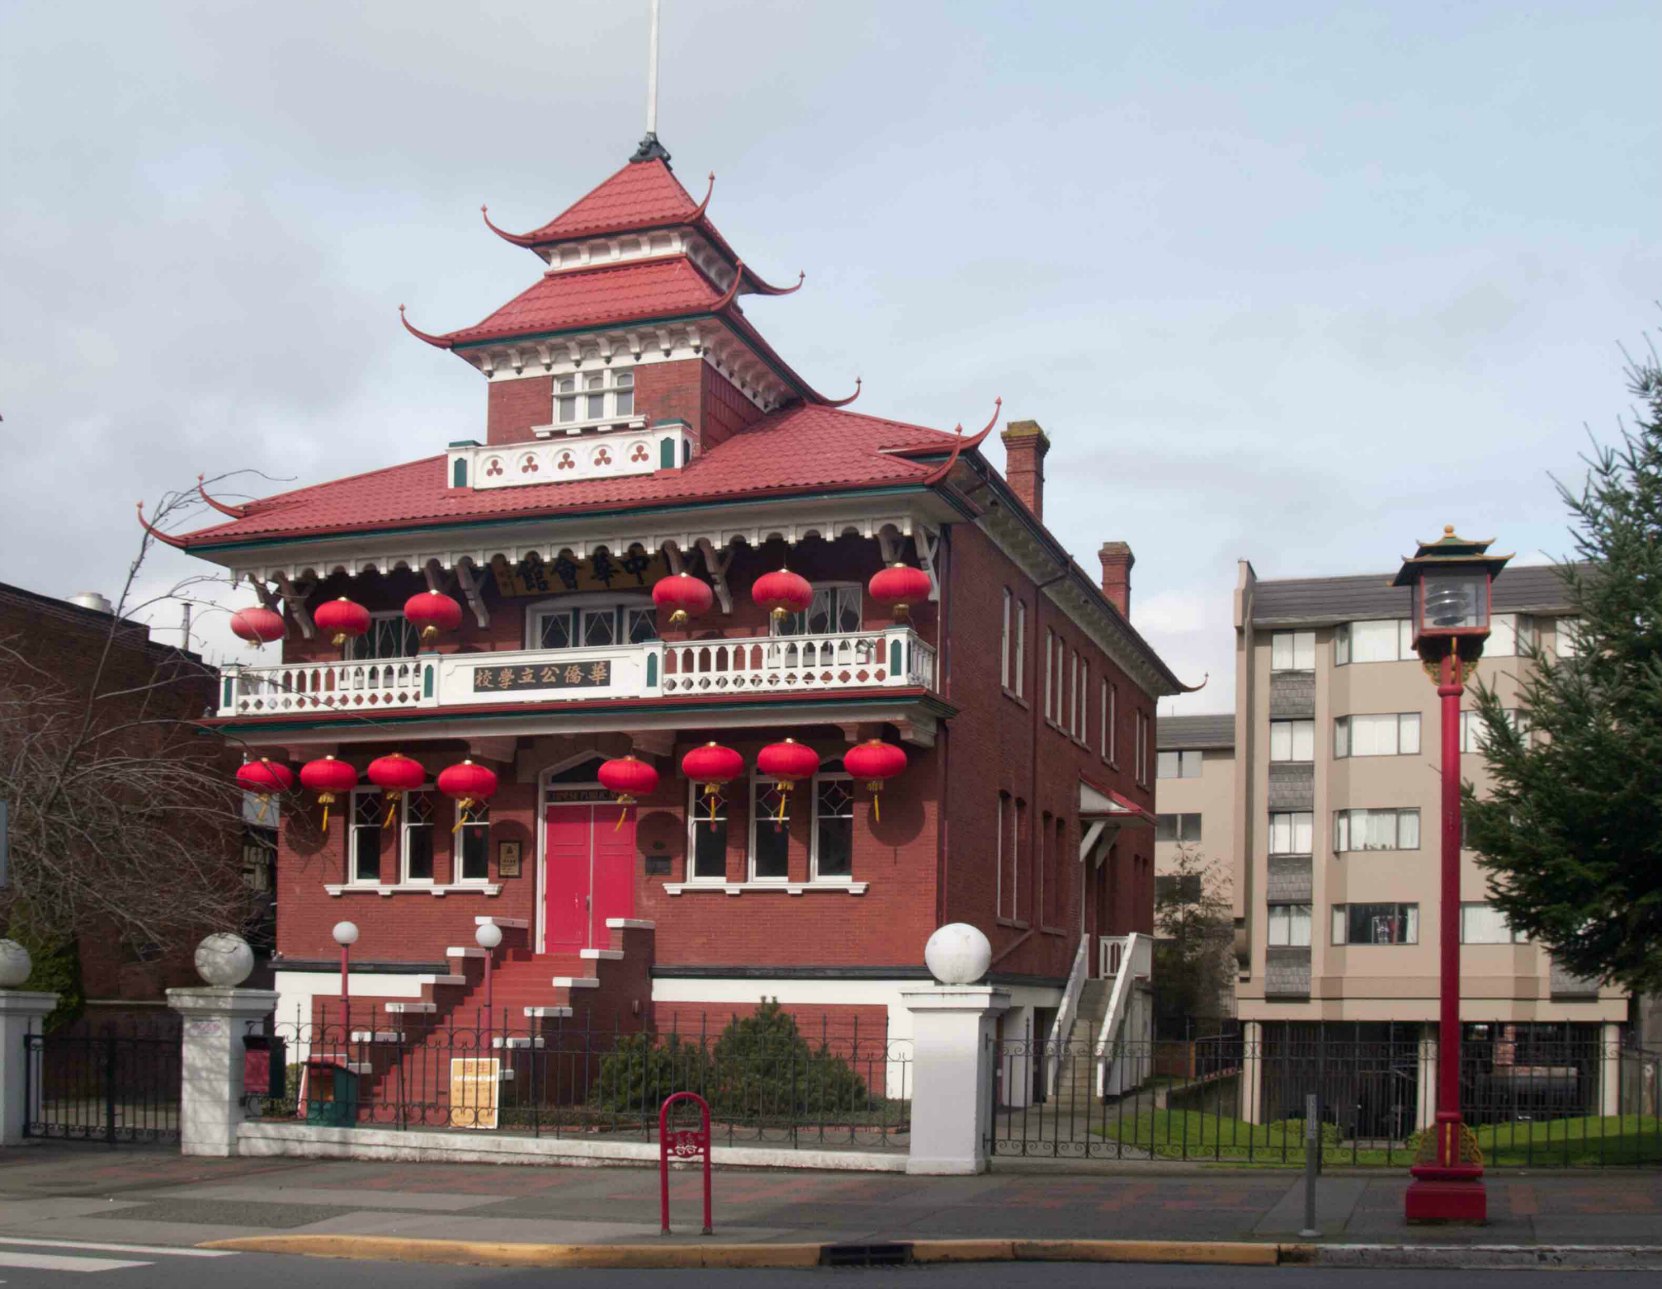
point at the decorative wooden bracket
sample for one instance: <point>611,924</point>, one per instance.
<point>888,544</point>
<point>1090,838</point>
<point>467,577</point>
<point>297,606</point>
<point>435,576</point>
<point>717,566</point>
<point>652,742</point>
<point>928,544</point>
<point>672,557</point>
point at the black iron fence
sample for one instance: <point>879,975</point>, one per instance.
<point>1566,1101</point>
<point>768,1081</point>
<point>109,1082</point>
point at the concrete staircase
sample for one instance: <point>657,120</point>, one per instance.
<point>1076,1080</point>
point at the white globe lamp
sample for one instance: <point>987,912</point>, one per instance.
<point>346,934</point>
<point>488,936</point>
<point>958,954</point>
<point>14,964</point>
<point>224,960</point>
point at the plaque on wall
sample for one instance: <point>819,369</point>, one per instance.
<point>658,866</point>
<point>507,858</point>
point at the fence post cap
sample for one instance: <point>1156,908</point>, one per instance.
<point>15,964</point>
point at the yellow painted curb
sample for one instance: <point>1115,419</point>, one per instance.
<point>492,1254</point>
<point>1217,1253</point>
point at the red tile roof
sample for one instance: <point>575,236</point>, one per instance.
<point>644,194</point>
<point>801,449</point>
<point>627,292</point>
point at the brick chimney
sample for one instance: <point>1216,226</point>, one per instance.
<point>1117,560</point>
<point>1025,445</point>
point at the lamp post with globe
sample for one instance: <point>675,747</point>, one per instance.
<point>488,936</point>
<point>1452,581</point>
<point>346,935</point>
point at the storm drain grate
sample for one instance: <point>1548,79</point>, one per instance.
<point>865,1255</point>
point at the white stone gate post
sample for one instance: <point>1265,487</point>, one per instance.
<point>20,1015</point>
<point>952,1076</point>
<point>216,1020</point>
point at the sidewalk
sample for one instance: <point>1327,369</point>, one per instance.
<point>159,1197</point>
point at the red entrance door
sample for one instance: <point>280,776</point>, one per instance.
<point>590,875</point>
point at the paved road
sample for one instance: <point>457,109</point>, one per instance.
<point>43,1264</point>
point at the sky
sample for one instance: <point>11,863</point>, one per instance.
<point>1294,283</point>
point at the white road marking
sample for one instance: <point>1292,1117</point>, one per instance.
<point>162,1250</point>
<point>51,1262</point>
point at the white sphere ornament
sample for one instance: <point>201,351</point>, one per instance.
<point>346,933</point>
<point>14,964</point>
<point>224,960</point>
<point>488,936</point>
<point>958,954</point>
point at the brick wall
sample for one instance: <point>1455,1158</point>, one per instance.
<point>512,407</point>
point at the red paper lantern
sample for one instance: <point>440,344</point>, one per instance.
<point>684,595</point>
<point>787,762</point>
<point>468,784</point>
<point>782,592</point>
<point>330,778</point>
<point>433,612</point>
<point>712,765</point>
<point>900,586</point>
<point>629,778</point>
<point>395,774</point>
<point>874,761</point>
<point>264,777</point>
<point>258,625</point>
<point>342,619</point>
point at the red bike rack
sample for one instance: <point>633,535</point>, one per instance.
<point>683,1144</point>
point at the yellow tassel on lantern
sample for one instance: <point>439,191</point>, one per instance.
<point>711,792</point>
<point>678,617</point>
<point>877,802</point>
<point>625,801</point>
<point>326,799</point>
<point>429,634</point>
<point>392,807</point>
<point>463,805</point>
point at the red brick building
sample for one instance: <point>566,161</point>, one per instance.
<point>637,427</point>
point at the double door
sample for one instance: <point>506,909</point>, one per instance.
<point>589,874</point>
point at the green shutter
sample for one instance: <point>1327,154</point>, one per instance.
<point>651,670</point>
<point>427,682</point>
<point>666,454</point>
<point>458,473</point>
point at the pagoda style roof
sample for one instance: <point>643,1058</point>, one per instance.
<point>803,449</point>
<point>644,194</point>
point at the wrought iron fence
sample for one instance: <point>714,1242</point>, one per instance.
<point>767,1080</point>
<point>1565,1101</point>
<point>111,1082</point>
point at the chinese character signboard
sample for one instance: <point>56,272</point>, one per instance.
<point>632,570</point>
<point>575,674</point>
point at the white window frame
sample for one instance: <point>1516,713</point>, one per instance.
<point>1471,728</point>
<point>1184,763</point>
<point>814,875</point>
<point>1340,927</point>
<point>757,783</point>
<point>1343,650</point>
<point>698,816</point>
<point>1292,651</point>
<point>617,386</point>
<point>355,643</point>
<point>1179,839</point>
<point>1290,737</point>
<point>576,604</point>
<point>1020,685</point>
<point>1513,935</point>
<point>1143,770</point>
<point>1566,635</point>
<point>352,877</point>
<point>474,825</point>
<point>1345,823</point>
<point>1005,642</point>
<point>404,827</point>
<point>1111,753</point>
<point>781,627</point>
<point>1293,829</point>
<point>1284,924</point>
<point>1344,734</point>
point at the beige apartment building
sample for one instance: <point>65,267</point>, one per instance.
<point>1195,769</point>
<point>1335,842</point>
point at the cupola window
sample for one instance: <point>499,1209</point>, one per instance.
<point>590,397</point>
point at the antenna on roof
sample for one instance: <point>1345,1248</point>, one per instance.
<point>651,149</point>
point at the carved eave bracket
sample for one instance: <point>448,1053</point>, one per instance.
<point>717,565</point>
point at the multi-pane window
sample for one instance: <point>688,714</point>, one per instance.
<point>1018,680</point>
<point>1292,832</point>
<point>1376,830</point>
<point>1376,924</point>
<point>1184,828</point>
<point>1111,727</point>
<point>833,845</point>
<point>473,845</point>
<point>1292,740</point>
<point>1179,764</point>
<point>1390,734</point>
<point>1474,734</point>
<point>1485,924</point>
<point>416,846</point>
<point>390,635</point>
<point>1289,925</point>
<point>364,858</point>
<point>834,609</point>
<point>1388,640</point>
<point>770,831</point>
<point>594,626</point>
<point>594,396</point>
<point>1006,646</point>
<point>707,822</point>
<point>1293,651</point>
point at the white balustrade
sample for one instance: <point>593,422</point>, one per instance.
<point>893,658</point>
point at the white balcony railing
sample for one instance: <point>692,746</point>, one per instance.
<point>892,659</point>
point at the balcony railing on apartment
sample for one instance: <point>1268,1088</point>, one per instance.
<point>894,658</point>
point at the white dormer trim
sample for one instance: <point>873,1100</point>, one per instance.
<point>667,446</point>
<point>624,248</point>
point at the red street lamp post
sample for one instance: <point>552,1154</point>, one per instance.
<point>1452,580</point>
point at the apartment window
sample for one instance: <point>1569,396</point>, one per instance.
<point>1390,734</point>
<point>770,831</point>
<point>473,845</point>
<point>1177,888</point>
<point>593,626</point>
<point>1293,651</point>
<point>368,814</point>
<point>1391,640</point>
<point>1485,924</point>
<point>1181,828</point>
<point>1292,832</point>
<point>417,839</point>
<point>1292,740</point>
<point>594,396</point>
<point>1005,652</point>
<point>1004,843</point>
<point>1019,680</point>
<point>835,610</point>
<point>1178,764</point>
<point>1376,830</point>
<point>1289,926</point>
<point>1473,733</point>
<point>1509,635</point>
<point>390,635</point>
<point>832,853</point>
<point>1568,636</point>
<point>1376,924</point>
<point>707,826</point>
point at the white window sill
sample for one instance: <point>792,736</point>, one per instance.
<point>789,888</point>
<point>562,428</point>
<point>410,888</point>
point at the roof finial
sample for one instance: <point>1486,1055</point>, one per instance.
<point>650,149</point>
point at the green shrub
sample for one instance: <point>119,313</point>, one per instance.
<point>639,1072</point>
<point>1293,1130</point>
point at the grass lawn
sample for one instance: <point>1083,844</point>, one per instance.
<point>1612,1139</point>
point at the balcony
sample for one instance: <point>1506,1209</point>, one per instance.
<point>785,665</point>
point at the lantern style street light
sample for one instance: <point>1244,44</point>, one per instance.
<point>488,936</point>
<point>1452,581</point>
<point>346,935</point>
